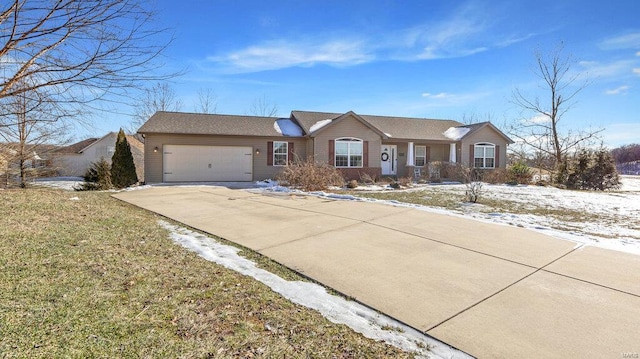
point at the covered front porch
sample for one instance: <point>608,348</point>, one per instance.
<point>412,159</point>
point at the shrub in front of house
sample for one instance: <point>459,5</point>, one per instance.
<point>310,175</point>
<point>97,177</point>
<point>520,173</point>
<point>123,169</point>
<point>454,172</point>
<point>493,176</point>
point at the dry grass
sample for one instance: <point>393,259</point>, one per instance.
<point>95,277</point>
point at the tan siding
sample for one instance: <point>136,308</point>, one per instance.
<point>261,171</point>
<point>309,148</point>
<point>484,135</point>
<point>348,127</point>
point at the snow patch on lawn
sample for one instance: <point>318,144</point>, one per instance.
<point>615,225</point>
<point>338,310</point>
<point>65,183</point>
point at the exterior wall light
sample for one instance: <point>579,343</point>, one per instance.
<point>155,149</point>
<point>257,151</point>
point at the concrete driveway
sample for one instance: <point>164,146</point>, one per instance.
<point>489,290</point>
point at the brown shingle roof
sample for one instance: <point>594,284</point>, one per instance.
<point>208,124</point>
<point>394,127</point>
<point>76,147</point>
<point>134,142</point>
<point>476,126</point>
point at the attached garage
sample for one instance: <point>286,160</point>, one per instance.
<point>190,163</point>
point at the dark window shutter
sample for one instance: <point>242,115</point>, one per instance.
<point>332,147</point>
<point>428,154</point>
<point>365,154</point>
<point>497,159</point>
<point>290,151</point>
<point>471,157</point>
<point>270,153</point>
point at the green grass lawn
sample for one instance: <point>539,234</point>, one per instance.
<point>96,277</point>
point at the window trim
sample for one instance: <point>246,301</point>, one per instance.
<point>415,155</point>
<point>484,146</point>
<point>348,141</point>
<point>286,153</point>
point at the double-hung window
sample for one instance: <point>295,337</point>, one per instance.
<point>420,156</point>
<point>280,153</point>
<point>484,155</point>
<point>348,152</point>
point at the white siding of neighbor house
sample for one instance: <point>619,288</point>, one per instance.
<point>77,164</point>
<point>261,171</point>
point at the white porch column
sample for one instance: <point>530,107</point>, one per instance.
<point>410,156</point>
<point>452,152</point>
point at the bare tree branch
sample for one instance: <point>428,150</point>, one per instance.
<point>262,107</point>
<point>542,131</point>
<point>160,97</point>
<point>31,122</point>
<point>207,101</point>
<point>85,48</point>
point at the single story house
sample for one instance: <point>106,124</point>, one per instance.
<point>185,147</point>
<point>75,159</point>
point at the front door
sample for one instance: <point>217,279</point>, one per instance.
<point>389,160</point>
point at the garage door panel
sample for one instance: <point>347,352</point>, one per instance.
<point>184,163</point>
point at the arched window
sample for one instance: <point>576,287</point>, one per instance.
<point>484,155</point>
<point>348,152</point>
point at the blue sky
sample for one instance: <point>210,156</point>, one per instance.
<point>433,59</point>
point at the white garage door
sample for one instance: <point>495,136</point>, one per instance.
<point>183,163</point>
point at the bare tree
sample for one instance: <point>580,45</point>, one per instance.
<point>82,51</point>
<point>160,97</point>
<point>469,118</point>
<point>207,101</point>
<point>541,131</point>
<point>262,107</point>
<point>30,122</point>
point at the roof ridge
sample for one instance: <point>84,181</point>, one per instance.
<point>215,114</point>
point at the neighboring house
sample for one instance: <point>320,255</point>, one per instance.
<point>182,147</point>
<point>10,159</point>
<point>75,160</point>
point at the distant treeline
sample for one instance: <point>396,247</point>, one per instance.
<point>626,153</point>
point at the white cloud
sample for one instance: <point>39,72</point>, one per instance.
<point>440,95</point>
<point>284,54</point>
<point>617,91</point>
<point>462,34</point>
<point>626,41</point>
<point>638,53</point>
<point>465,32</point>
<point>636,70</point>
<point>536,120</point>
<point>443,99</point>
<point>612,69</point>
